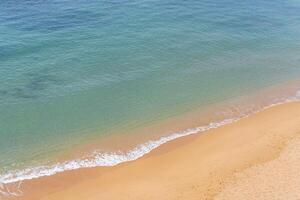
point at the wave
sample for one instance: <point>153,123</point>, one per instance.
<point>98,159</point>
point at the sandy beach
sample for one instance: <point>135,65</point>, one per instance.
<point>149,100</point>
<point>254,158</point>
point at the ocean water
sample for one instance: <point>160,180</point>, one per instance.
<point>75,71</point>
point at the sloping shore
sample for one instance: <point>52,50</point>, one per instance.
<point>277,179</point>
<point>194,167</point>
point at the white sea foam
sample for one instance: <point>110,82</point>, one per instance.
<point>115,158</point>
<point>103,159</point>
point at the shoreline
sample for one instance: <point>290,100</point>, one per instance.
<point>140,142</point>
<point>180,165</point>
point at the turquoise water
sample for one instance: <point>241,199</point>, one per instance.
<point>72,71</point>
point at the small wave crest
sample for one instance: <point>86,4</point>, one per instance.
<point>98,159</point>
<point>103,159</point>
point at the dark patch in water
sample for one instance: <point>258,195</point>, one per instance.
<point>22,93</point>
<point>3,94</point>
<point>39,82</point>
<point>34,88</point>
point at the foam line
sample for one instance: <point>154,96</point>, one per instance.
<point>115,158</point>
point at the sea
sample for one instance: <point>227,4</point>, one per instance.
<point>87,83</point>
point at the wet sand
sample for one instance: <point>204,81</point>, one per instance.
<point>210,165</point>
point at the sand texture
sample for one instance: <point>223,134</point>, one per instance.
<point>243,160</point>
<point>277,179</point>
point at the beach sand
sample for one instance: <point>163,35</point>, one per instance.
<point>277,179</point>
<point>254,158</point>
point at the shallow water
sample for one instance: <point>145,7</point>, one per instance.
<point>75,71</point>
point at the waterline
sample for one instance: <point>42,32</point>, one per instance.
<point>114,158</point>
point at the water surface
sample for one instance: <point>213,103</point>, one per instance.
<point>72,71</point>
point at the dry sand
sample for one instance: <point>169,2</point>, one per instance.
<point>242,160</point>
<point>277,179</point>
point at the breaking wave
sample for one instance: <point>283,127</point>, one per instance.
<point>114,158</point>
